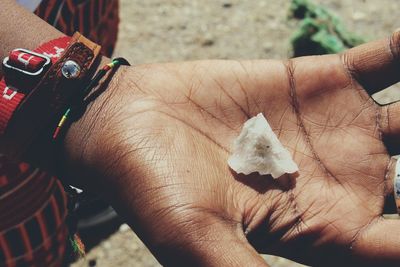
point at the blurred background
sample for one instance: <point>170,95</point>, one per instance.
<point>177,30</point>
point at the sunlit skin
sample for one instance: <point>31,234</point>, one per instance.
<point>156,143</point>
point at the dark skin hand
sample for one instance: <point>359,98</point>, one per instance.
<point>157,142</point>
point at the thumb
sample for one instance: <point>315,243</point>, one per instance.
<point>378,244</point>
<point>209,244</point>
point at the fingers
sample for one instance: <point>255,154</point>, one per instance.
<point>390,176</point>
<point>390,204</point>
<point>390,118</point>
<point>389,123</point>
<point>375,65</point>
<point>378,244</point>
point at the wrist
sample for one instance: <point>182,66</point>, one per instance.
<point>79,147</point>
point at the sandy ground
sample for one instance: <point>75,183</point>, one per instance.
<point>175,30</point>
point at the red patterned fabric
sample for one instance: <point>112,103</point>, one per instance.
<point>95,19</point>
<point>33,204</point>
<point>26,61</point>
<point>32,217</point>
<point>11,97</point>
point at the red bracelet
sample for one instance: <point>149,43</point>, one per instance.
<point>31,65</point>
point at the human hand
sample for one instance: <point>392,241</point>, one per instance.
<point>156,144</point>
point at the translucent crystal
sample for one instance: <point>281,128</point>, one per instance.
<point>257,149</point>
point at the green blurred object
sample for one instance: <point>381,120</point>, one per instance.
<point>320,31</point>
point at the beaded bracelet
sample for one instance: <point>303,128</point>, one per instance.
<point>115,63</point>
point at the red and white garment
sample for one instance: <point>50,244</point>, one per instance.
<point>33,206</point>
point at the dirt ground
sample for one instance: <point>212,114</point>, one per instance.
<point>176,30</point>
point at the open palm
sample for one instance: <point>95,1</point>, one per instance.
<point>159,150</point>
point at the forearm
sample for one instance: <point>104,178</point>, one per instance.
<point>22,29</point>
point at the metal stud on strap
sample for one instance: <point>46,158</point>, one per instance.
<point>70,69</point>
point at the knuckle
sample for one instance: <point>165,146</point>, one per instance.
<point>394,44</point>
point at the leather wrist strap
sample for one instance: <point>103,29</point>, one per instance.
<point>11,94</point>
<point>48,99</point>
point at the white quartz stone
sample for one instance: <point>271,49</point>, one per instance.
<point>257,149</point>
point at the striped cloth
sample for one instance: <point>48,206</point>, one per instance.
<point>95,19</point>
<point>32,216</point>
<point>33,204</point>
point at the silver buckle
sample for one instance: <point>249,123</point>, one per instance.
<point>37,73</point>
